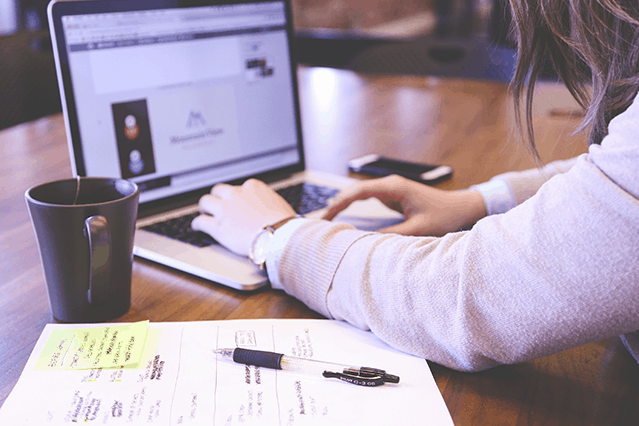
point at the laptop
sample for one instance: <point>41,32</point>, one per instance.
<point>178,95</point>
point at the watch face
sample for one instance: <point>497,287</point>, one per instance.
<point>258,250</point>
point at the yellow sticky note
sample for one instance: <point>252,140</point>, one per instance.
<point>150,346</point>
<point>94,347</point>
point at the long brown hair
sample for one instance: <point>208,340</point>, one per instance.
<point>594,47</point>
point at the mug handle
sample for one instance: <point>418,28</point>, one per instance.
<point>97,230</point>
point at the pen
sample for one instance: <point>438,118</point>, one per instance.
<point>363,376</point>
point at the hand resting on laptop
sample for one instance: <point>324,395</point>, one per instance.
<point>234,214</point>
<point>428,211</point>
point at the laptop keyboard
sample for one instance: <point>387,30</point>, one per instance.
<point>307,197</point>
<point>179,228</point>
<point>304,197</point>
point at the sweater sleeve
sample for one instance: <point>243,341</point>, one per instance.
<point>557,271</point>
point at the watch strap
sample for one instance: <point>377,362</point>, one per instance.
<point>281,223</point>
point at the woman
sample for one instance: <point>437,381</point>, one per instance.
<point>551,261</point>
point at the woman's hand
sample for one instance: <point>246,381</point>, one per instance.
<point>428,211</point>
<point>234,214</point>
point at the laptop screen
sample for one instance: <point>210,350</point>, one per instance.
<point>178,98</point>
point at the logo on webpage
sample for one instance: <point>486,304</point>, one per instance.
<point>197,122</point>
<point>195,119</point>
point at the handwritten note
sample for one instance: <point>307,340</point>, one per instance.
<point>179,381</point>
<point>95,347</point>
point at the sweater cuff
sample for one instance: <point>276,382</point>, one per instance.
<point>306,257</point>
<point>497,194</point>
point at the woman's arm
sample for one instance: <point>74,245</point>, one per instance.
<point>558,271</point>
<point>505,191</point>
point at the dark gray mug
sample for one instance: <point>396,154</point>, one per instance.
<point>85,229</point>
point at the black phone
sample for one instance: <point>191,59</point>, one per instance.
<point>378,165</point>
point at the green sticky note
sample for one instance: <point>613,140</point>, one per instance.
<point>94,347</point>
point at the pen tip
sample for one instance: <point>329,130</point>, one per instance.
<point>224,352</point>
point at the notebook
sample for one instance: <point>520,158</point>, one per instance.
<point>178,95</point>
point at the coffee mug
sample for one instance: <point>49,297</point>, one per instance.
<point>85,229</point>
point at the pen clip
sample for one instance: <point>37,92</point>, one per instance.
<point>362,378</point>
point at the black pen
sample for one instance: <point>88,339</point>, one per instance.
<point>363,376</point>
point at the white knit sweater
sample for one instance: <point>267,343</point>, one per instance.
<point>552,267</point>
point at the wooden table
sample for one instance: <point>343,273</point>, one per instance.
<point>466,124</point>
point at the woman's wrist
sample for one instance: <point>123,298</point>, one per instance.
<point>474,208</point>
<point>262,239</point>
<point>276,247</point>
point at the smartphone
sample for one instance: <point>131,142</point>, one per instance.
<point>378,165</point>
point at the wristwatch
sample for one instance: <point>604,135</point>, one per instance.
<point>257,251</point>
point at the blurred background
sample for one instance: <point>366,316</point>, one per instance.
<point>466,38</point>
<point>402,18</point>
<point>28,84</point>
